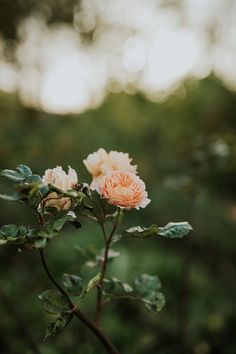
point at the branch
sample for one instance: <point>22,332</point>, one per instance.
<point>76,312</point>
<point>104,268</point>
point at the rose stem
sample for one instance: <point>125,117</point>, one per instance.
<point>104,266</point>
<point>76,312</point>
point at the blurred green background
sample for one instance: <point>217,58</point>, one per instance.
<point>185,149</point>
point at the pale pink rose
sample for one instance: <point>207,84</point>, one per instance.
<point>61,180</point>
<point>95,161</point>
<point>124,189</point>
<point>101,162</point>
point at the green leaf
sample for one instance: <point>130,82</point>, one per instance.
<point>58,324</point>
<point>44,190</point>
<point>116,289</point>
<point>21,173</point>
<point>73,284</point>
<point>87,256</point>
<point>24,170</point>
<point>56,305</point>
<point>12,175</point>
<point>112,216</point>
<point>34,240</point>
<point>147,288</point>
<point>93,282</point>
<point>175,229</point>
<point>27,186</point>
<point>90,257</point>
<point>111,255</point>
<point>40,243</point>
<point>84,187</point>
<point>55,224</point>
<point>154,301</point>
<point>145,283</point>
<point>85,207</point>
<point>54,302</point>
<point>12,198</point>
<point>33,179</point>
<point>29,191</point>
<point>13,233</point>
<point>142,232</point>
<point>22,235</point>
<point>171,230</point>
<point>116,238</point>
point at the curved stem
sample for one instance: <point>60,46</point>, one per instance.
<point>50,276</point>
<point>104,268</point>
<point>76,312</point>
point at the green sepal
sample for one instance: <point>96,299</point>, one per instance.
<point>70,193</point>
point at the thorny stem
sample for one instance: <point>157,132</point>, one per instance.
<point>104,266</point>
<point>76,312</point>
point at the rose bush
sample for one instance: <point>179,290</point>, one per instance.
<point>57,198</point>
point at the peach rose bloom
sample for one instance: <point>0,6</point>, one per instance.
<point>61,180</point>
<point>101,162</point>
<point>124,189</point>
